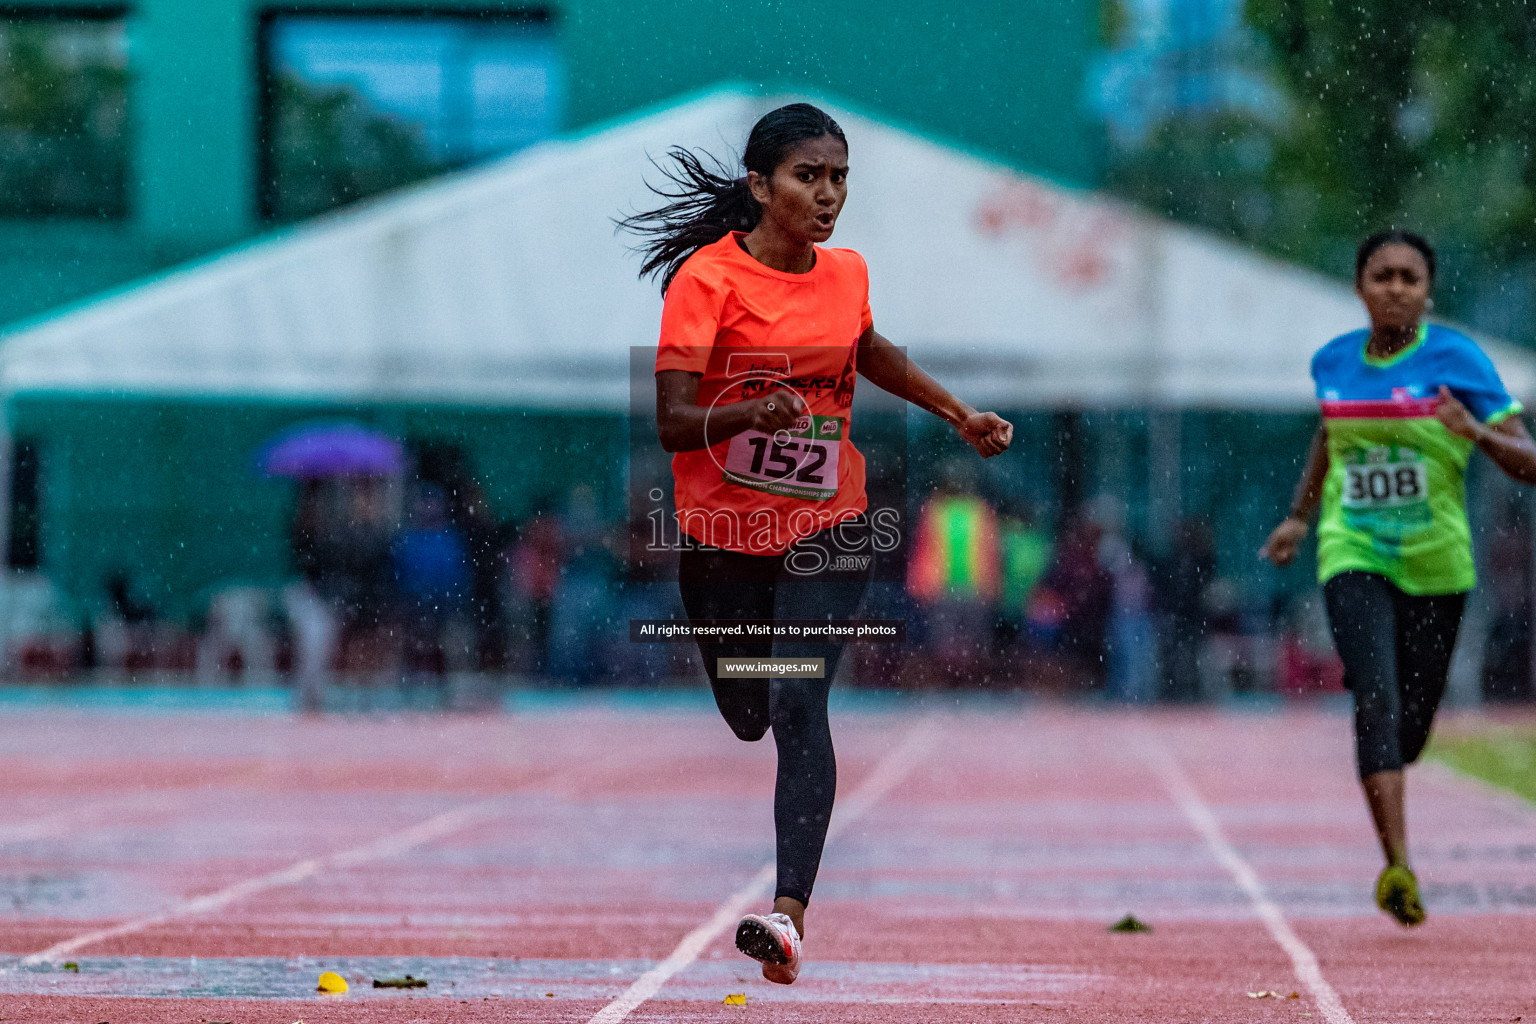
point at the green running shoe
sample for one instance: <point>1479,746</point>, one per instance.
<point>1397,892</point>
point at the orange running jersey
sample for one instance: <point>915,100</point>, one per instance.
<point>748,329</point>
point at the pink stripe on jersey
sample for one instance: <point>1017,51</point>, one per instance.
<point>1388,409</point>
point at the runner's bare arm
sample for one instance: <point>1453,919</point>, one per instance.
<point>1283,540</point>
<point>888,368</point>
<point>1507,442</point>
<point>686,427</point>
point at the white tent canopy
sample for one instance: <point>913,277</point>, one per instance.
<point>508,285</point>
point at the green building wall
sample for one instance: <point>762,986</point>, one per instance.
<point>1005,78</point>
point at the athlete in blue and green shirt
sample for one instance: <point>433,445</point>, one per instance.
<point>1404,404</point>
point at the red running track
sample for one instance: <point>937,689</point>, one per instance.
<point>562,865</point>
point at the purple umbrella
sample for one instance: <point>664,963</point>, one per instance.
<point>331,449</point>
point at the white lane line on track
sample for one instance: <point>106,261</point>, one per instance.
<point>1303,960</point>
<point>432,828</point>
<point>887,774</point>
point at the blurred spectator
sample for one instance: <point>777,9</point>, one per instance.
<point>1025,552</point>
<point>433,582</point>
<point>128,635</point>
<point>1130,638</point>
<point>1507,652</point>
<point>1308,664</point>
<point>358,552</point>
<point>337,610</point>
<point>485,540</point>
<point>238,626</point>
<point>1222,660</point>
<point>315,623</point>
<point>534,566</point>
<point>647,593</point>
<point>359,577</point>
<point>954,580</point>
<point>125,634</point>
<point>582,618</point>
<point>1044,614</point>
<point>1180,582</point>
<point>130,607</point>
<point>1080,590</point>
<point>40,639</point>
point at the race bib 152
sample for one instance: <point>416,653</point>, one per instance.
<point>798,462</point>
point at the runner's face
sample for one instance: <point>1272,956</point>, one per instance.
<point>807,190</point>
<point>1394,285</point>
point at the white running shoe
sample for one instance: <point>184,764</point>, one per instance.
<point>774,941</point>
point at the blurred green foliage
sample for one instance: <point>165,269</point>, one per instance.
<point>1413,115</point>
<point>330,146</point>
<point>63,118</point>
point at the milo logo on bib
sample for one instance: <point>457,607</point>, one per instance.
<point>798,462</point>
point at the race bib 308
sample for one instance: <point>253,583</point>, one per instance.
<point>1382,485</point>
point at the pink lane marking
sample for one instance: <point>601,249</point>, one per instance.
<point>1303,960</point>
<point>388,846</point>
<point>79,816</point>
<point>885,776</point>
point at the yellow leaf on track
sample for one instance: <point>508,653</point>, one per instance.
<point>736,999</point>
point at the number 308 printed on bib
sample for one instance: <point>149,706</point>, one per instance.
<point>1386,483</point>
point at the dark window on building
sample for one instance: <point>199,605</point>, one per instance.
<point>357,104</point>
<point>63,113</point>
<point>26,549</point>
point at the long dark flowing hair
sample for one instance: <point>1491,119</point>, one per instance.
<point>705,202</point>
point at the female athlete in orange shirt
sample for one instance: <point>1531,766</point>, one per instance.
<point>761,335</point>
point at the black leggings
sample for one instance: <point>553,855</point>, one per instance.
<point>718,584</point>
<point>1396,648</point>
